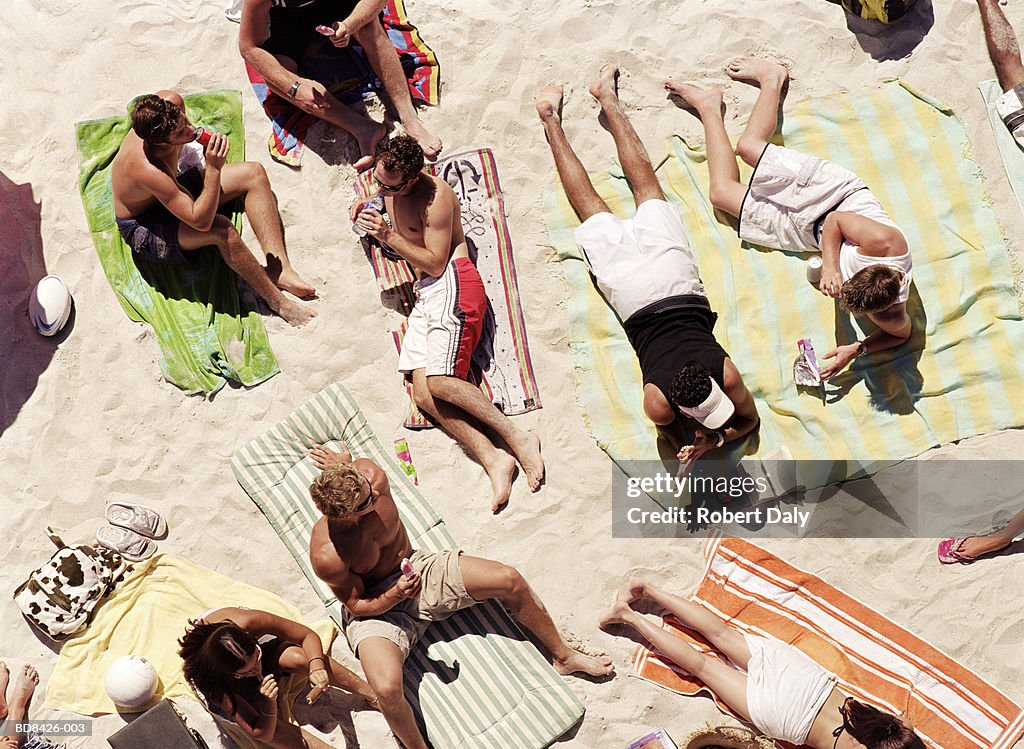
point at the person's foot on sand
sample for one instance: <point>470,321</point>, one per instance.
<point>527,450</point>
<point>429,142</point>
<point>617,614</point>
<point>24,686</point>
<point>549,102</point>
<point>5,676</point>
<point>368,137</point>
<point>973,547</point>
<point>575,662</point>
<point>501,472</point>
<point>756,69</point>
<point>701,99</point>
<point>633,590</point>
<point>604,86</point>
<point>294,313</point>
<point>288,280</point>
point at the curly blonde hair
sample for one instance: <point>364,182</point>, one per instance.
<point>871,289</point>
<point>338,490</point>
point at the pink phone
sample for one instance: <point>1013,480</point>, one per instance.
<point>325,30</point>
<point>407,568</point>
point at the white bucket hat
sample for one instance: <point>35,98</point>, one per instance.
<point>714,411</point>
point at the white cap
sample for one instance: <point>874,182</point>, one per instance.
<point>714,411</point>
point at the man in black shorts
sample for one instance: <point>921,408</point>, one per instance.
<point>645,269</point>
<point>293,25</point>
<point>166,217</point>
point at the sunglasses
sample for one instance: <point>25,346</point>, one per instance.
<point>256,669</point>
<point>392,188</point>
<point>370,500</point>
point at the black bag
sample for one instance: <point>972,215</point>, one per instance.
<point>160,727</point>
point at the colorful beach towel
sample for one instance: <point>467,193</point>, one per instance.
<point>959,375</point>
<point>207,332</point>
<point>474,680</point>
<point>145,616</point>
<point>346,73</point>
<point>876,659</point>
<point>502,356</point>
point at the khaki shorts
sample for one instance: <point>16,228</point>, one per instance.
<point>442,594</point>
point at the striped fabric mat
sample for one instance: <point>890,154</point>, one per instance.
<point>474,680</point>
<point>503,355</point>
<point>959,375</point>
<point>876,660</point>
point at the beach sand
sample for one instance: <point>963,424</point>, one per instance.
<point>92,420</point>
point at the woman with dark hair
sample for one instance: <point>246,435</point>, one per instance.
<point>234,658</point>
<point>775,687</point>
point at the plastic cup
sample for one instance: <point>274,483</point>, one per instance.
<point>814,266</point>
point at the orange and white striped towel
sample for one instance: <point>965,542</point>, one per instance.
<point>876,659</point>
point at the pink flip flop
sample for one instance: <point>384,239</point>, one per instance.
<point>949,552</point>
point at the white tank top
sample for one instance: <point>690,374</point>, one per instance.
<point>851,261</point>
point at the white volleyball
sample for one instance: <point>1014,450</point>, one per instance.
<point>130,681</point>
<point>49,307</point>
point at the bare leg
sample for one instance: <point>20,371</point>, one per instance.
<point>384,60</point>
<point>467,396</point>
<point>976,546</point>
<point>366,132</point>
<point>764,117</point>
<point>632,155</point>
<point>722,636</point>
<point>290,736</point>
<point>5,677</point>
<point>578,188</point>
<point>486,579</point>
<point>25,684</point>
<point>499,465</point>
<point>727,192</point>
<point>241,260</point>
<point>728,683</point>
<point>294,661</point>
<point>382,664</point>
<point>1002,44</point>
<point>250,179</point>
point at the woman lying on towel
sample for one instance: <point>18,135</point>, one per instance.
<point>234,658</point>
<point>775,687</point>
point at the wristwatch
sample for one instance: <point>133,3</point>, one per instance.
<point>721,438</point>
<point>294,89</point>
<point>862,348</point>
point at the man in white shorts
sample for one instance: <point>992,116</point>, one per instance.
<point>422,225</point>
<point>802,203</point>
<point>646,271</point>
<point>1005,55</point>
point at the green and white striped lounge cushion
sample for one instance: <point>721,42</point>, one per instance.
<point>475,681</point>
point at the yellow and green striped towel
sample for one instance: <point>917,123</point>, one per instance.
<point>958,376</point>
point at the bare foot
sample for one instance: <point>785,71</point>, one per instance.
<point>633,590</point>
<point>527,450</point>
<point>617,614</point>
<point>595,665</point>
<point>429,142</point>
<point>368,137</point>
<point>501,473</point>
<point>21,694</point>
<point>288,280</point>
<point>5,676</point>
<point>549,103</point>
<point>295,314</point>
<point>701,99</point>
<point>761,71</point>
<point>604,85</point>
<point>978,546</point>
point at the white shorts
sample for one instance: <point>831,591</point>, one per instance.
<point>641,260</point>
<point>788,193</point>
<point>785,689</point>
<point>1010,107</point>
<point>445,324</point>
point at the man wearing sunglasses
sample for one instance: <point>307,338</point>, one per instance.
<point>357,548</point>
<point>421,224</point>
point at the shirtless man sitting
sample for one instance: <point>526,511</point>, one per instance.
<point>647,272</point>
<point>166,216</point>
<point>357,549</point>
<point>422,225</point>
<point>802,203</point>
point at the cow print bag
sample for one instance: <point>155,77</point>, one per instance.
<point>60,597</point>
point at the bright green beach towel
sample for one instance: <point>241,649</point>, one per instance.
<point>207,333</point>
<point>960,374</point>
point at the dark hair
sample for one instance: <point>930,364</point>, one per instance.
<point>878,730</point>
<point>212,653</point>
<point>401,154</point>
<point>871,289</point>
<point>691,386</point>
<point>154,118</point>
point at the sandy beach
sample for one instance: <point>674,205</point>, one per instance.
<point>92,420</point>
